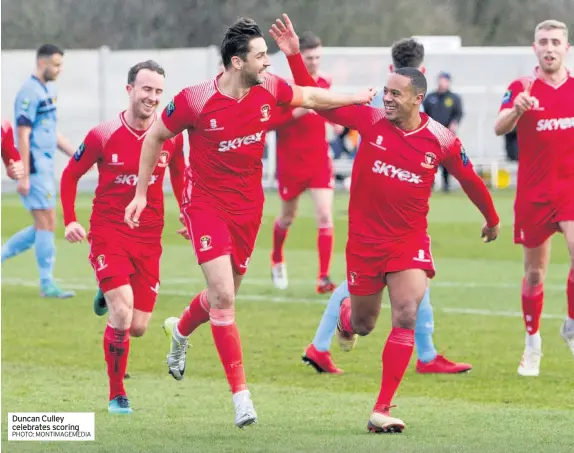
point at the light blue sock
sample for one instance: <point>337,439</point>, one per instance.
<point>424,329</point>
<point>45,255</point>
<point>20,242</point>
<point>328,324</point>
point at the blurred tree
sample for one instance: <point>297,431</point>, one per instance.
<point>133,24</point>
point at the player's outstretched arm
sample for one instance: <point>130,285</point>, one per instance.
<point>87,154</point>
<point>459,165</point>
<point>151,150</point>
<point>64,145</point>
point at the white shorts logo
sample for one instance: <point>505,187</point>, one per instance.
<point>421,257</point>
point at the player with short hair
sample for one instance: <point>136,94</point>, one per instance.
<point>388,243</point>
<point>226,118</point>
<point>303,163</point>
<point>126,262</point>
<point>37,141</point>
<point>541,107</point>
<point>10,156</point>
<point>404,53</point>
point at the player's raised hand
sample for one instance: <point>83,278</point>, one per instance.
<point>525,101</point>
<point>15,170</point>
<point>283,33</point>
<point>365,96</point>
<point>490,234</point>
<point>134,211</point>
<point>75,232</point>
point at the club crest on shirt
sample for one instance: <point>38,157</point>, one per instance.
<point>430,160</point>
<point>507,96</point>
<point>205,242</point>
<point>101,261</point>
<point>352,278</point>
<point>265,112</point>
<point>163,159</point>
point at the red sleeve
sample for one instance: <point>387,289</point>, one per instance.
<point>358,117</point>
<point>9,151</point>
<point>87,154</point>
<point>177,169</point>
<point>179,114</point>
<point>514,89</point>
<point>280,118</point>
<point>284,93</point>
<point>458,164</point>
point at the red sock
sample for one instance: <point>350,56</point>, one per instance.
<point>279,236</point>
<point>396,356</point>
<point>116,350</point>
<point>228,344</point>
<point>345,316</point>
<point>532,303</point>
<point>570,294</point>
<point>325,247</point>
<point>195,315</point>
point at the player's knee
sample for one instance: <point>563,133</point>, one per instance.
<point>534,276</point>
<point>286,220</point>
<point>363,326</point>
<point>221,298</point>
<point>324,219</point>
<point>137,330</point>
<point>405,315</point>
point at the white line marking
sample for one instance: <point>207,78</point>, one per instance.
<point>86,285</point>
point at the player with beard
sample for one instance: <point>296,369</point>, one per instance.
<point>541,107</point>
<point>126,262</point>
<point>226,119</point>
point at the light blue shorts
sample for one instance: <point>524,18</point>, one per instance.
<point>42,193</point>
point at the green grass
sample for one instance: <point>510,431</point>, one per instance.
<point>53,361</point>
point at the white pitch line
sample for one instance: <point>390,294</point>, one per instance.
<point>283,299</point>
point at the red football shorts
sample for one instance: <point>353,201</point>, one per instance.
<point>215,233</point>
<point>367,264</point>
<point>535,222</point>
<point>119,260</point>
<point>292,182</point>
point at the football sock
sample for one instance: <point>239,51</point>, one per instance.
<point>228,344</point>
<point>532,303</point>
<point>325,248</point>
<point>424,329</point>
<point>279,236</point>
<point>570,294</point>
<point>20,242</point>
<point>328,324</point>
<point>345,316</point>
<point>116,350</point>
<point>196,314</point>
<point>396,356</point>
<point>45,248</point>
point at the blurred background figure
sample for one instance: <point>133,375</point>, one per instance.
<point>445,107</point>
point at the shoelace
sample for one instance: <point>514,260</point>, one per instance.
<point>123,402</point>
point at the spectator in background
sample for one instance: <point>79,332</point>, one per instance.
<point>445,107</point>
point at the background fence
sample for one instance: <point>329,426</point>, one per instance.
<point>92,84</point>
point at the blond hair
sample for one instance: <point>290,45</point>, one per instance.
<point>552,24</point>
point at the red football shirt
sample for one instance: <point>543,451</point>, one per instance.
<point>116,149</point>
<point>394,171</point>
<point>301,143</point>
<point>545,139</point>
<point>9,151</point>
<point>226,139</point>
